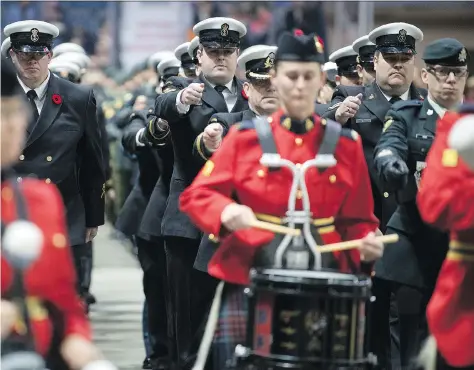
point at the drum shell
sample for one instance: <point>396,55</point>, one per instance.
<point>302,320</point>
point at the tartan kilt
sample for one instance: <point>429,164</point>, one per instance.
<point>231,327</point>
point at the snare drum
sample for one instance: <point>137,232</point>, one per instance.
<point>305,320</point>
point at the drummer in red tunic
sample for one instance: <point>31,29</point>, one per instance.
<point>340,196</point>
<point>32,217</point>
<point>446,200</point>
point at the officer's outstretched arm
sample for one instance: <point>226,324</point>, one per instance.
<point>130,140</point>
<point>211,191</point>
<point>200,150</point>
<point>391,152</point>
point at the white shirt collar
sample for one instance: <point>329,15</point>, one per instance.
<point>404,96</point>
<point>440,111</point>
<point>40,90</point>
<point>230,85</point>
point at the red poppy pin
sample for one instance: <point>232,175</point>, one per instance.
<point>244,95</point>
<point>57,99</point>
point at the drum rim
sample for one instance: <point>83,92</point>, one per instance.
<point>308,274</point>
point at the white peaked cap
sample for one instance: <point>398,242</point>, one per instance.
<point>255,52</point>
<point>168,63</point>
<point>181,49</point>
<point>60,66</point>
<point>27,26</point>
<point>158,57</point>
<point>346,51</point>
<point>82,60</point>
<point>192,46</point>
<point>6,44</point>
<point>329,66</point>
<point>360,42</point>
<point>67,47</point>
<point>394,29</point>
<point>216,24</point>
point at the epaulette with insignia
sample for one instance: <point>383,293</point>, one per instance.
<point>169,88</point>
<point>246,125</point>
<point>349,133</point>
<point>403,104</point>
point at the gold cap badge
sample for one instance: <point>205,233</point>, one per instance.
<point>402,35</point>
<point>270,61</point>
<point>224,29</point>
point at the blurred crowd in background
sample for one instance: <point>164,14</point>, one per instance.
<point>91,24</point>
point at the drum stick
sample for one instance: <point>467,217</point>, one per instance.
<point>342,246</point>
<point>278,229</point>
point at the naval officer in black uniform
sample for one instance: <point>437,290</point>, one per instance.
<point>188,68</point>
<point>365,50</point>
<point>363,108</point>
<point>187,112</point>
<point>346,61</point>
<point>411,267</point>
<point>257,62</point>
<point>63,146</point>
<point>148,138</point>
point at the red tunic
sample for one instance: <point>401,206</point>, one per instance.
<point>342,192</point>
<point>446,200</point>
<point>51,278</point>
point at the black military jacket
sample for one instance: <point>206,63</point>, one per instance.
<point>64,148</point>
<point>184,130</point>
<point>409,131</point>
<point>369,124</point>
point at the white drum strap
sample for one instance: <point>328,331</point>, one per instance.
<point>211,325</point>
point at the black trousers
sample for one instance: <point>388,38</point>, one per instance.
<point>400,309</point>
<point>155,287</point>
<point>83,262</point>
<point>191,293</point>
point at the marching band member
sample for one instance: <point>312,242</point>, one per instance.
<point>234,172</point>
<point>50,281</point>
<point>446,200</point>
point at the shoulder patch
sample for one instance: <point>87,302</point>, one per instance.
<point>349,133</point>
<point>404,104</point>
<point>246,125</point>
<point>388,123</point>
<point>450,158</point>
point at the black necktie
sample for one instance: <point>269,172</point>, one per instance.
<point>220,90</point>
<point>31,95</point>
<point>394,99</point>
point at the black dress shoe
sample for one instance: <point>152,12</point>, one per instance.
<point>147,364</point>
<point>161,364</point>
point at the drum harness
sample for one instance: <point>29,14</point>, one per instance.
<point>18,349</point>
<point>294,218</point>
